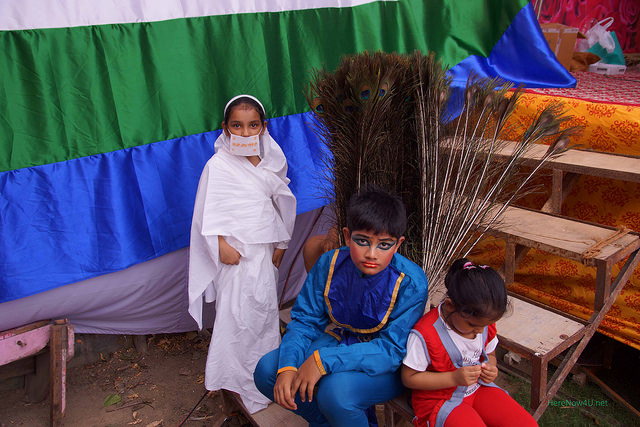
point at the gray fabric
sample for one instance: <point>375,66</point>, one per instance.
<point>150,297</point>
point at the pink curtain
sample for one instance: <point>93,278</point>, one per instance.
<point>584,13</point>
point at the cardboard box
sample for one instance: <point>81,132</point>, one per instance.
<point>562,41</point>
<point>609,69</point>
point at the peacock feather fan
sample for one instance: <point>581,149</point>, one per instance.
<point>358,115</point>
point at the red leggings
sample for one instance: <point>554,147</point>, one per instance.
<point>489,406</point>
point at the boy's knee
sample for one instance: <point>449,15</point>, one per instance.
<point>334,392</point>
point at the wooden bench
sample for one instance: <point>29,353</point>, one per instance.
<point>539,335</point>
<point>524,332</point>
<point>273,415</point>
<point>568,166</point>
<point>29,340</point>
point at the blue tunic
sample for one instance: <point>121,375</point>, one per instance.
<point>374,314</point>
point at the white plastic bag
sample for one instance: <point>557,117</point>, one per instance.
<point>598,34</point>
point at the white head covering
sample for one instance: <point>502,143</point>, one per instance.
<point>226,107</point>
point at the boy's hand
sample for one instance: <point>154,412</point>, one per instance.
<point>277,256</point>
<point>228,255</point>
<point>489,372</point>
<point>467,375</point>
<point>306,378</point>
<point>282,390</point>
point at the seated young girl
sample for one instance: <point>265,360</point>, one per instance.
<point>450,363</point>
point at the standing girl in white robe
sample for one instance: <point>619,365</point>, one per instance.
<point>242,223</point>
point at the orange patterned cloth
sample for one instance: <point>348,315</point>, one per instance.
<point>609,127</point>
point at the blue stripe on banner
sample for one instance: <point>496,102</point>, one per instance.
<point>69,221</point>
<point>522,55</point>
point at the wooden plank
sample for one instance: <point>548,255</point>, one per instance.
<point>535,329</point>
<point>561,236</point>
<point>23,342</point>
<point>275,416</point>
<point>605,165</point>
<point>21,329</point>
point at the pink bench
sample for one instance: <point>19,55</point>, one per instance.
<point>28,340</point>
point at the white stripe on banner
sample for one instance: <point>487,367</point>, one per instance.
<point>32,14</point>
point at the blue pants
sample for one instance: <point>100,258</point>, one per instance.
<point>342,397</point>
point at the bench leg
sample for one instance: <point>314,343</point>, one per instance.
<point>561,186</point>
<point>390,417</point>
<point>538,382</point>
<point>603,283</point>
<point>58,361</point>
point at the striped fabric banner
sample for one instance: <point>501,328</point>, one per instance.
<point>109,110</point>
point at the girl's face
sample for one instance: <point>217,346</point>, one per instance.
<point>463,325</point>
<point>244,120</point>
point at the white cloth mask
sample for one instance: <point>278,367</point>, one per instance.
<point>244,145</point>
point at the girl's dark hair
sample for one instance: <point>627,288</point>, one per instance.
<point>476,290</point>
<point>246,101</point>
<point>376,210</point>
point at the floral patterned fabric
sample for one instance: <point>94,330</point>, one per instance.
<point>609,127</point>
<point>582,14</point>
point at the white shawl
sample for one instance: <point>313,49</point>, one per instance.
<point>245,204</point>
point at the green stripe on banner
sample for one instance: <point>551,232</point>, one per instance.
<point>72,92</point>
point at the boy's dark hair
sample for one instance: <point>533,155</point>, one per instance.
<point>374,209</point>
<point>476,290</point>
<point>246,101</point>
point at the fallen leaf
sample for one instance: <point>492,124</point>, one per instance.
<point>154,424</point>
<point>112,399</point>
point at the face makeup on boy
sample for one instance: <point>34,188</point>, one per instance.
<point>370,252</point>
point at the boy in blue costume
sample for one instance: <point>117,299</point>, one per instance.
<point>373,296</point>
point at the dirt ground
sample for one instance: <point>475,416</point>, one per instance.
<point>158,388</point>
